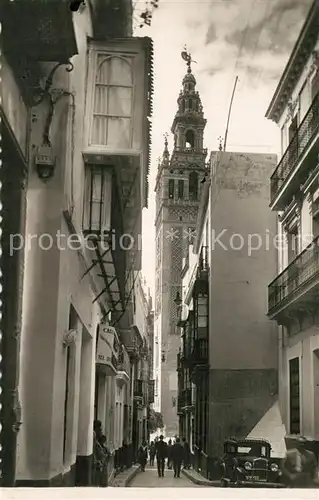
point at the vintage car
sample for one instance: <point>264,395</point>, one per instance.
<point>247,463</point>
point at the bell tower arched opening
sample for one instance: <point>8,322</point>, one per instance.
<point>190,139</point>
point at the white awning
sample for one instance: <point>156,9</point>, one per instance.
<point>271,428</point>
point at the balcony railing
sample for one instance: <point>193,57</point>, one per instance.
<point>196,351</point>
<point>303,137</point>
<point>123,362</point>
<point>180,356</point>
<point>181,149</point>
<point>187,397</point>
<point>295,277</point>
<point>184,399</point>
<point>138,389</point>
<point>182,201</point>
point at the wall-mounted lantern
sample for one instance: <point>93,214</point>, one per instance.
<point>45,162</point>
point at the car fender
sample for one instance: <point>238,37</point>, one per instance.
<point>241,470</point>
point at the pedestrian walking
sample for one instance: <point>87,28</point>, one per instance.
<point>152,453</point>
<point>169,457</point>
<point>187,454</point>
<point>161,455</point>
<point>105,461</point>
<point>300,469</point>
<point>177,456</point>
<point>142,455</point>
<point>98,461</point>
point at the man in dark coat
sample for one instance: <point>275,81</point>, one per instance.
<point>161,454</point>
<point>178,455</point>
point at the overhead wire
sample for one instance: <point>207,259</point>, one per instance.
<point>249,66</point>
<point>272,43</point>
<point>239,53</point>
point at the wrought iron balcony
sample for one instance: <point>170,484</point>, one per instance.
<point>124,362</point>
<point>290,164</point>
<point>187,397</point>
<point>184,400</point>
<point>195,352</point>
<point>180,149</point>
<point>182,201</point>
<point>138,389</point>
<point>180,357</point>
<point>298,283</point>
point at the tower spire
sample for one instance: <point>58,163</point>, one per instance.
<point>165,152</point>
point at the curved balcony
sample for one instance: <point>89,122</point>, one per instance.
<point>300,156</point>
<point>297,287</point>
<point>195,352</point>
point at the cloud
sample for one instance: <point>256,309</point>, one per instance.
<point>275,31</point>
<point>211,34</point>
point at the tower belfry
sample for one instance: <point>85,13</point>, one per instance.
<point>178,191</point>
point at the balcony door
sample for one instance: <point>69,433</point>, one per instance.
<point>293,142</point>
<point>294,395</point>
<point>293,250</point>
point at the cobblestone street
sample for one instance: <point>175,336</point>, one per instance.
<point>150,479</point>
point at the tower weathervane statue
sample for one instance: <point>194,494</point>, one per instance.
<point>186,56</point>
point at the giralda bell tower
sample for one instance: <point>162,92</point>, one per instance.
<point>178,190</point>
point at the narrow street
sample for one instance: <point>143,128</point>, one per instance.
<point>150,479</point>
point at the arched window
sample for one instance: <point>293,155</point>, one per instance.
<point>193,186</point>
<point>171,188</point>
<point>190,103</point>
<point>113,101</point>
<point>190,139</point>
<point>183,106</point>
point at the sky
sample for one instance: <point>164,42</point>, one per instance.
<point>251,39</point>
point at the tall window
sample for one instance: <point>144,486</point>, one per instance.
<point>294,396</point>
<point>193,186</point>
<point>303,101</point>
<point>97,205</point>
<point>180,189</point>
<point>293,128</point>
<point>171,188</point>
<point>293,243</point>
<point>283,139</point>
<point>113,101</point>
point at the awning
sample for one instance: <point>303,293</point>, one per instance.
<point>106,352</point>
<point>271,428</point>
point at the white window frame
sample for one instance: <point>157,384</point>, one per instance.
<point>94,53</point>
<point>107,198</point>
